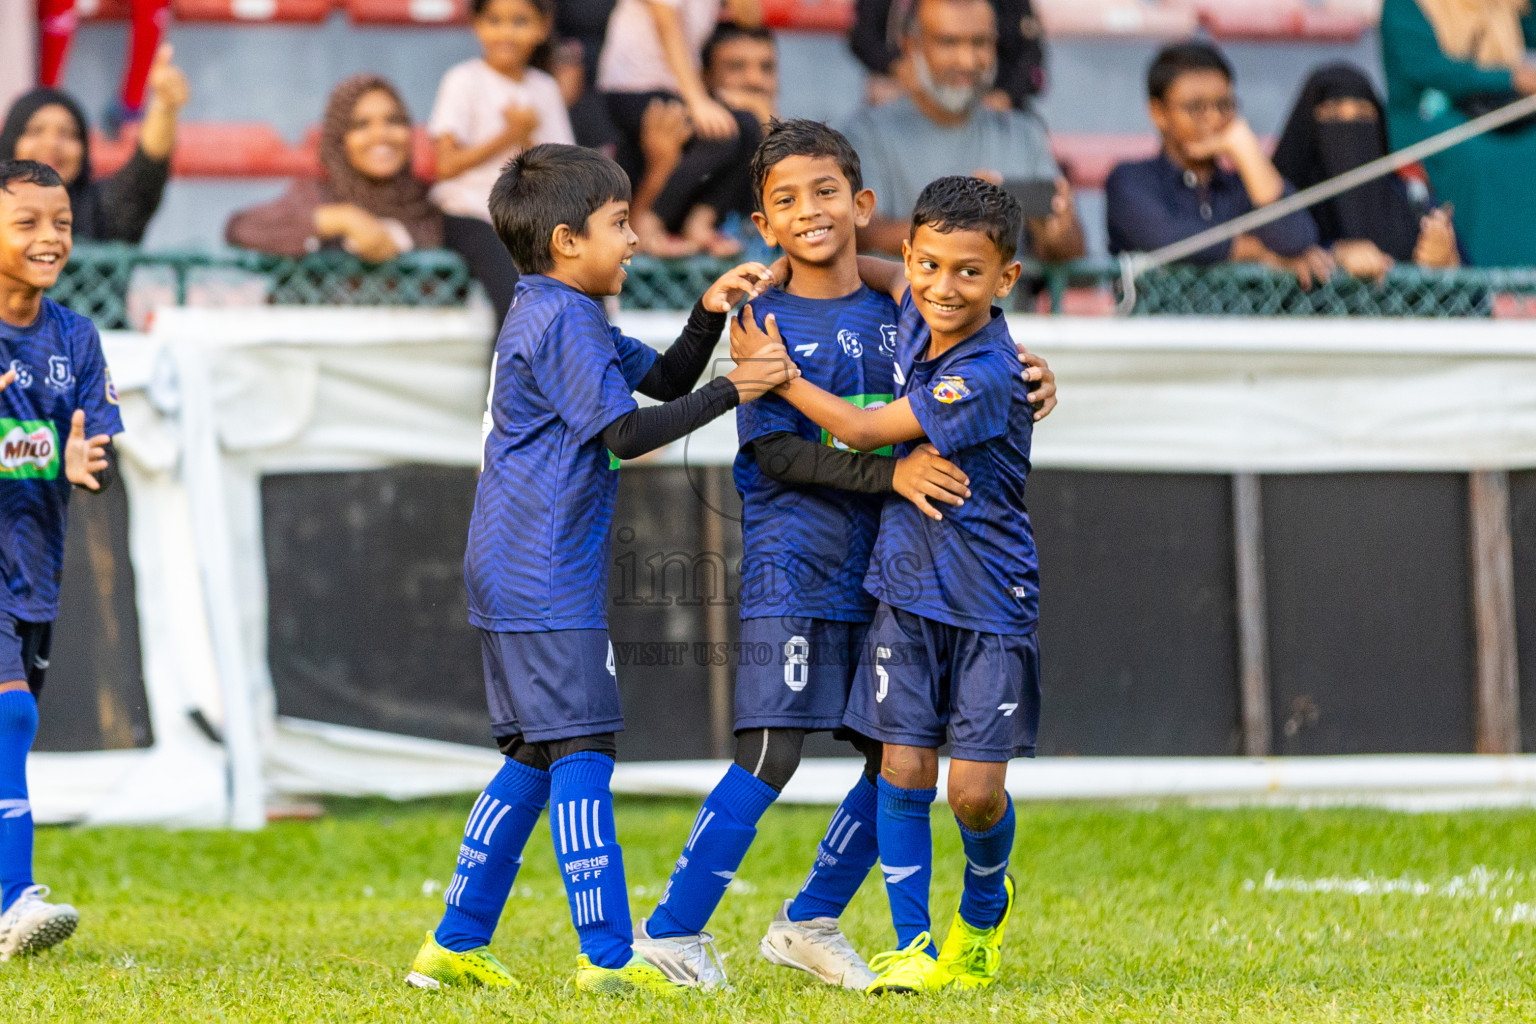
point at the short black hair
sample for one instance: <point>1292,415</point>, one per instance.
<point>28,172</point>
<point>546,186</point>
<point>799,136</point>
<point>725,32</point>
<point>962,203</point>
<point>1177,59</point>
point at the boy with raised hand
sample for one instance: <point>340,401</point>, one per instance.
<point>54,383</point>
<point>810,509</point>
<point>560,416</point>
<point>952,650</point>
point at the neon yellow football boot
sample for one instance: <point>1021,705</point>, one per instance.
<point>436,967</point>
<point>639,975</point>
<point>908,970</point>
<point>971,956</point>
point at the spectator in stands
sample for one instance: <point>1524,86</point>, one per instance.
<point>58,21</point>
<point>1187,188</point>
<point>1337,125</point>
<point>741,70</point>
<point>488,110</point>
<point>653,52</point>
<point>942,127</point>
<point>876,40</point>
<point>48,126</point>
<point>367,201</point>
<point>1447,61</point>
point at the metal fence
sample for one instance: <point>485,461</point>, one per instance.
<point>116,285</point>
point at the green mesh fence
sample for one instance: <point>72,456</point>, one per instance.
<point>109,282</point>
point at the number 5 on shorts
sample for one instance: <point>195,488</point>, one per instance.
<point>880,673</point>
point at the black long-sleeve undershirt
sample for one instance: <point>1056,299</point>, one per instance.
<point>791,459</point>
<point>678,369</point>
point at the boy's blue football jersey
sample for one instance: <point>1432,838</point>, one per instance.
<point>59,368</point>
<point>976,568</point>
<point>538,551</point>
<point>805,550</point>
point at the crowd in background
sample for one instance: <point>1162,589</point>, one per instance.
<point>679,92</point>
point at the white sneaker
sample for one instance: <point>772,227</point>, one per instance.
<point>32,925</point>
<point>690,960</point>
<point>818,947</point>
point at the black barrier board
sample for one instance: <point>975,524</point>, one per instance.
<point>1522,523</point>
<point>1137,622</point>
<point>94,696</point>
<point>1370,635</point>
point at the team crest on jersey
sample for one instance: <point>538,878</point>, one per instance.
<point>852,346</point>
<point>23,373</point>
<point>888,339</point>
<point>111,389</point>
<point>29,450</point>
<point>60,376</point>
<point>951,389</point>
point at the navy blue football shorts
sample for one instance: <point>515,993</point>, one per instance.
<point>920,682</point>
<point>551,686</point>
<point>24,650</point>
<point>793,672</point>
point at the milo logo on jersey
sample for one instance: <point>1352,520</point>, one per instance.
<point>29,450</point>
<point>863,402</point>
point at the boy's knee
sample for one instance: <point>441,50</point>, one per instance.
<point>910,767</point>
<point>770,755</point>
<point>978,804</point>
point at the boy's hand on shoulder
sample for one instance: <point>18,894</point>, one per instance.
<point>747,281</point>
<point>926,474</point>
<point>83,456</point>
<point>762,361</point>
<point>1038,371</point>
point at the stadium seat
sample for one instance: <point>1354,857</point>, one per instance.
<point>1087,159</point>
<point>809,15</point>
<point>104,10</point>
<point>217,149</point>
<point>1273,19</point>
<point>408,12</point>
<point>252,10</point>
<point>1115,18</point>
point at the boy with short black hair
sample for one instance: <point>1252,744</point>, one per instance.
<point>951,653</point>
<point>810,508</point>
<point>54,383</point>
<point>560,416</point>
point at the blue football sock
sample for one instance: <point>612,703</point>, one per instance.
<point>906,857</point>
<point>986,865</point>
<point>721,835</point>
<point>591,863</point>
<point>490,855</point>
<point>844,856</point>
<point>18,725</point>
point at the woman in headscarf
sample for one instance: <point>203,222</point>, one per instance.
<point>1337,125</point>
<point>367,201</point>
<point>1447,61</point>
<point>48,126</point>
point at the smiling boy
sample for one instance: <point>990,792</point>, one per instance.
<point>951,653</point>
<point>54,382</point>
<point>560,415</point>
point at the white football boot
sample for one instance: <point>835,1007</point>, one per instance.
<point>818,947</point>
<point>32,925</point>
<point>690,960</point>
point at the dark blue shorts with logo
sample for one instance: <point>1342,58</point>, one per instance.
<point>556,685</point>
<point>922,682</point>
<point>794,672</point>
<point>24,650</point>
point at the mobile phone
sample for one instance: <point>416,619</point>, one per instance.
<point>1034,195</point>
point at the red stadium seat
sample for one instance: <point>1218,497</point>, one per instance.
<point>1273,19</point>
<point>408,12</point>
<point>253,10</point>
<point>1087,159</point>
<point>215,149</point>
<point>104,10</point>
<point>1115,18</point>
<point>809,15</point>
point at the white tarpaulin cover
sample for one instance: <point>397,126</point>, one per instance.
<point>215,398</point>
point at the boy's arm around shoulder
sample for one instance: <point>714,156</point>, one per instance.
<point>888,277</point>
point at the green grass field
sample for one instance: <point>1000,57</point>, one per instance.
<point>1125,914</point>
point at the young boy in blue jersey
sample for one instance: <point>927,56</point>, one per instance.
<point>560,416</point>
<point>951,652</point>
<point>55,383</point>
<point>810,509</point>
